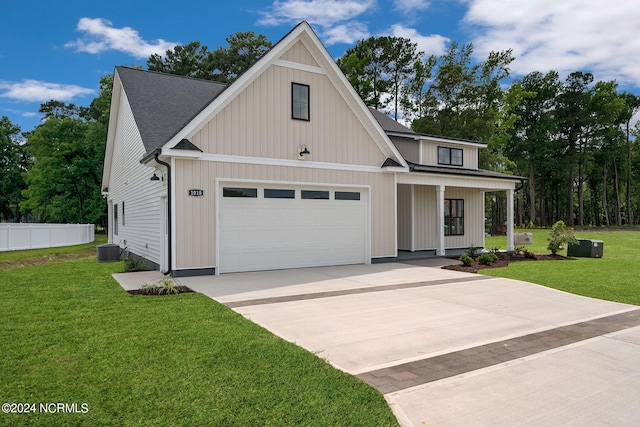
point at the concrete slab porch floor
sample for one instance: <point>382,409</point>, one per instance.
<point>450,348</point>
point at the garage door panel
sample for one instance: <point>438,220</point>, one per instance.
<point>264,234</point>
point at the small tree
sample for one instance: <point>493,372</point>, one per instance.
<point>559,236</point>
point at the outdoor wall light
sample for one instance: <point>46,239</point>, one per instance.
<point>154,177</point>
<point>303,151</point>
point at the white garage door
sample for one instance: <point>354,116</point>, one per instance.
<point>268,227</point>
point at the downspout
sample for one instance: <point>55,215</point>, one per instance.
<point>168,166</point>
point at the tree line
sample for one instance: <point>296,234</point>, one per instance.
<point>572,139</point>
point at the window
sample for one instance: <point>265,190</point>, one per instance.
<point>453,217</point>
<point>315,194</point>
<point>449,156</point>
<point>115,219</point>
<point>347,195</point>
<point>240,192</point>
<point>279,194</point>
<point>300,101</point>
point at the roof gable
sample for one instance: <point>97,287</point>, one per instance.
<point>162,104</point>
<point>282,54</point>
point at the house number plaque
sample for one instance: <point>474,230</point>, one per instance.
<point>196,193</point>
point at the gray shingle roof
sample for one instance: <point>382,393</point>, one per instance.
<point>162,104</point>
<point>414,167</point>
<point>390,125</point>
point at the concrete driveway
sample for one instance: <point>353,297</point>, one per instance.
<point>450,348</point>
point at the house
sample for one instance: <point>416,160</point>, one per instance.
<point>285,167</point>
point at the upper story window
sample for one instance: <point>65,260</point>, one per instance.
<point>300,102</point>
<point>449,156</point>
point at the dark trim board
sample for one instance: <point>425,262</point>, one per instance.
<point>404,255</point>
<point>190,272</point>
<point>148,264</point>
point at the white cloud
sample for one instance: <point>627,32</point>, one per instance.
<point>100,35</point>
<point>411,6</point>
<point>38,91</point>
<point>348,33</point>
<point>325,13</point>
<point>565,36</point>
<point>431,45</point>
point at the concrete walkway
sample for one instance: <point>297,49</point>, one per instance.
<point>450,348</point>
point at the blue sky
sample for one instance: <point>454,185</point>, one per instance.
<point>59,50</point>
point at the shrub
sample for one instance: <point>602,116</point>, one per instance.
<point>170,286</point>
<point>134,263</point>
<point>466,259</point>
<point>529,255</point>
<point>488,258</point>
<point>166,285</point>
<point>494,250</point>
<point>559,236</point>
<point>149,288</point>
<point>472,251</point>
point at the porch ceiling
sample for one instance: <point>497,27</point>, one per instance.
<point>486,183</point>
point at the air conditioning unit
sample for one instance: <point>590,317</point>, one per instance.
<point>108,252</point>
<point>586,248</point>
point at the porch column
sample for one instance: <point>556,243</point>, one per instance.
<point>510,214</point>
<point>440,220</point>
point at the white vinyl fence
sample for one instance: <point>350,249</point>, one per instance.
<point>15,237</point>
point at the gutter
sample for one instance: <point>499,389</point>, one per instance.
<point>168,166</point>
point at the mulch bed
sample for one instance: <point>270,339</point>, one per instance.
<point>141,292</point>
<point>504,261</point>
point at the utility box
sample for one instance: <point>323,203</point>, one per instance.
<point>108,252</point>
<point>586,249</point>
<point>522,238</point>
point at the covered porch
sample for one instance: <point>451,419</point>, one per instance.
<point>443,213</point>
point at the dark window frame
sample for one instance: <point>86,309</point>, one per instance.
<point>313,194</point>
<point>347,195</point>
<point>454,222</point>
<point>294,102</point>
<point>279,193</point>
<point>450,152</point>
<point>240,192</point>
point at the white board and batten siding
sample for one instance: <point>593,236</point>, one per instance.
<point>257,123</point>
<point>417,229</point>
<point>196,217</point>
<point>429,150</point>
<point>256,127</point>
<point>140,232</point>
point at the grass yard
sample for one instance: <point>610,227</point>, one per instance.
<point>70,334</point>
<point>615,277</point>
<point>11,259</point>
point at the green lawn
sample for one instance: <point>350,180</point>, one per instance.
<point>38,256</point>
<point>70,334</point>
<point>615,277</point>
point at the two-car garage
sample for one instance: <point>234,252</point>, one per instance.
<point>265,226</point>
